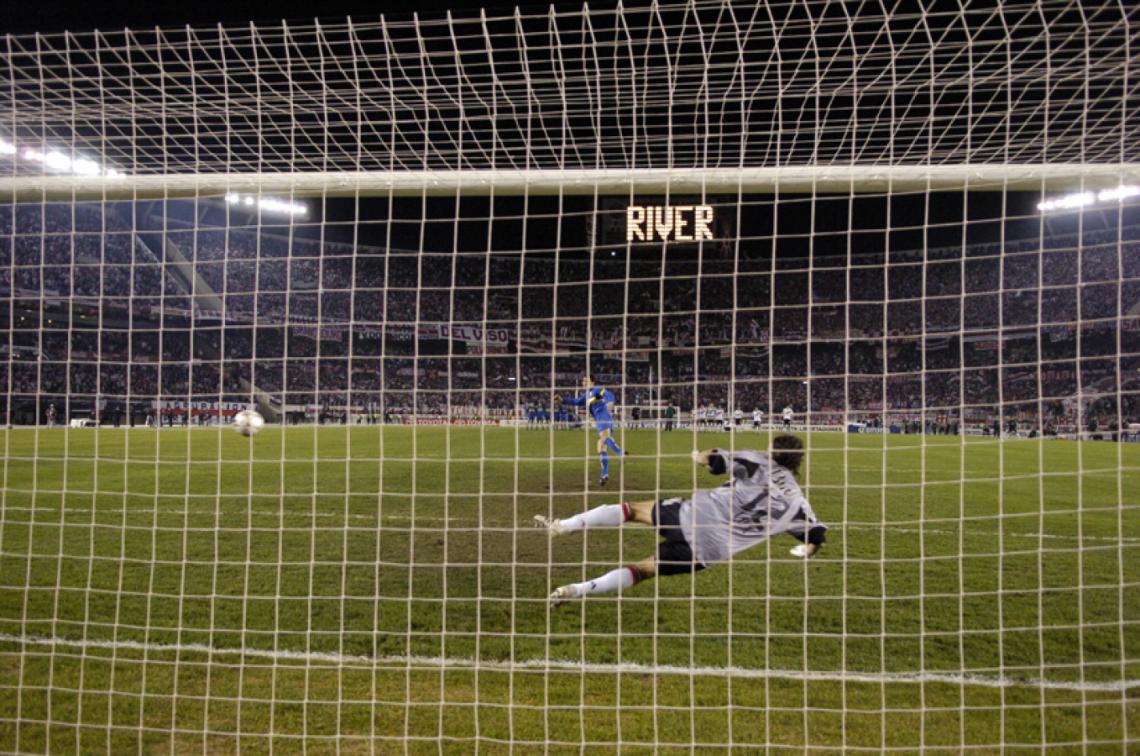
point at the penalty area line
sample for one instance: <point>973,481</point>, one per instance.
<point>569,665</point>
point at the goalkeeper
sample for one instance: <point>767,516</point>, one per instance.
<point>600,403</point>
<point>760,500</point>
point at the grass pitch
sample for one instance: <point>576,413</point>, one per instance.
<point>381,589</point>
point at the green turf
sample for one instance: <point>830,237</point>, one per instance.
<point>1015,559</point>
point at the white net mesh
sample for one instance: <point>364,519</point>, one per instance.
<point>362,574</point>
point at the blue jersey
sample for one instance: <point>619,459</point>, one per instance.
<point>597,400</point>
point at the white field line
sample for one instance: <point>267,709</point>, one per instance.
<point>569,665</point>
<point>183,511</point>
<point>1005,534</point>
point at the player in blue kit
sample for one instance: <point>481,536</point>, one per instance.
<point>599,402</point>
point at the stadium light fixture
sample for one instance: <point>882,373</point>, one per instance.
<point>268,204</point>
<point>59,162</point>
<point>1084,199</point>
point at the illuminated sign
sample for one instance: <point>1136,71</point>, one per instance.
<point>665,223</point>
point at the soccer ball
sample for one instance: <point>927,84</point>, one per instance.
<point>248,422</point>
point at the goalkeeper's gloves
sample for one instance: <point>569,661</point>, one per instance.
<point>714,458</point>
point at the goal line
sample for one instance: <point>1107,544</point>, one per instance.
<point>570,665</point>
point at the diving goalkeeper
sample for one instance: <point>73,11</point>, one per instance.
<point>760,500</point>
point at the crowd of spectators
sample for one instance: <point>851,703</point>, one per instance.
<point>110,310</point>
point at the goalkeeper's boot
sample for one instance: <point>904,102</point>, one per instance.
<point>605,479</point>
<point>563,594</point>
<point>805,550</point>
<point>552,525</point>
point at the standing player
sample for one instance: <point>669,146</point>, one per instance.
<point>600,403</point>
<point>762,499</point>
<point>757,419</point>
<point>51,416</point>
<point>788,417</point>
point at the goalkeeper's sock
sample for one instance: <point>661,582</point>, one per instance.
<point>605,464</point>
<point>614,580</point>
<point>613,445</point>
<point>607,515</point>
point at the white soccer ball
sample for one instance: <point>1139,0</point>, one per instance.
<point>248,422</point>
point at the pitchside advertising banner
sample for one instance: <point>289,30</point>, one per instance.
<point>179,407</point>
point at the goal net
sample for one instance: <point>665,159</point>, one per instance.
<point>910,240</point>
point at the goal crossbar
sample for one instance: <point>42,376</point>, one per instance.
<point>604,181</point>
